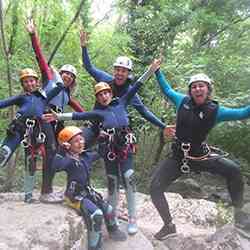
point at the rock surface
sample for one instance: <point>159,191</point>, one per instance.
<point>38,226</point>
<point>48,227</point>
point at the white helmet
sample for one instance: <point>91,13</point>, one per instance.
<point>68,68</point>
<point>200,78</point>
<point>123,61</point>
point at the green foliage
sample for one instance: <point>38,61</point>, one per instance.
<point>193,36</point>
<point>197,36</point>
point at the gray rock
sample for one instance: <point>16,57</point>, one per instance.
<point>38,226</point>
<point>49,227</point>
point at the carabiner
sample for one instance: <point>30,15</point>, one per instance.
<point>111,156</point>
<point>25,143</point>
<point>130,138</point>
<point>30,123</point>
<point>185,169</point>
<point>41,137</point>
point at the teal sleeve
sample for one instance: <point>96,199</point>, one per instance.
<point>232,114</point>
<point>168,91</point>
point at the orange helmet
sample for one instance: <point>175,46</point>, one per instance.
<point>100,86</point>
<point>27,72</point>
<point>68,133</point>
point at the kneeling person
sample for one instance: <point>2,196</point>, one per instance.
<point>76,162</point>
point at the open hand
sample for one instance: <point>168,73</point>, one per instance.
<point>83,38</point>
<point>50,117</point>
<point>155,65</point>
<point>169,131</point>
<point>30,27</point>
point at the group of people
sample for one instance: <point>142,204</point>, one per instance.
<point>38,127</point>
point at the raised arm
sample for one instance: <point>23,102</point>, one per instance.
<point>42,62</point>
<point>168,91</point>
<point>145,112</point>
<point>135,100</point>
<point>97,74</point>
<point>232,114</point>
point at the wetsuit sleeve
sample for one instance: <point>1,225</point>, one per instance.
<point>145,112</point>
<point>135,100</point>
<point>42,62</point>
<point>132,91</point>
<point>168,91</point>
<point>232,114</point>
<point>14,100</point>
<point>97,74</point>
<point>74,104</point>
<point>91,116</point>
<point>60,163</point>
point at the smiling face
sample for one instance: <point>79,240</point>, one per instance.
<point>68,78</point>
<point>104,97</point>
<point>120,75</point>
<point>77,144</point>
<point>200,92</point>
<point>30,84</point>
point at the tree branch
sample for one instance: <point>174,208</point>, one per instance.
<point>5,48</point>
<point>6,54</point>
<point>222,30</point>
<point>65,32</point>
<point>14,28</point>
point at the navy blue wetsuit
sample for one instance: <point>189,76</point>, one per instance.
<point>31,106</point>
<point>82,196</point>
<point>193,124</point>
<point>116,145</point>
<point>118,91</point>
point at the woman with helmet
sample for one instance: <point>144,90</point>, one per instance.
<point>116,141</point>
<point>197,114</point>
<point>58,103</point>
<point>120,82</point>
<point>27,127</point>
<point>79,194</point>
<point>67,71</point>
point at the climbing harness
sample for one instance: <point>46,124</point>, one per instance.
<point>210,153</point>
<point>33,144</point>
<point>185,147</point>
<point>118,142</point>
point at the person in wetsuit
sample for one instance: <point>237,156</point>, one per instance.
<point>120,82</point>
<point>197,114</point>
<point>27,127</point>
<point>79,194</point>
<point>57,104</point>
<point>115,140</point>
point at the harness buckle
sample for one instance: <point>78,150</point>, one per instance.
<point>41,137</point>
<point>111,156</point>
<point>30,123</point>
<point>58,109</point>
<point>185,169</point>
<point>130,138</point>
<point>185,147</point>
<point>17,116</point>
<point>110,131</point>
<point>25,143</point>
